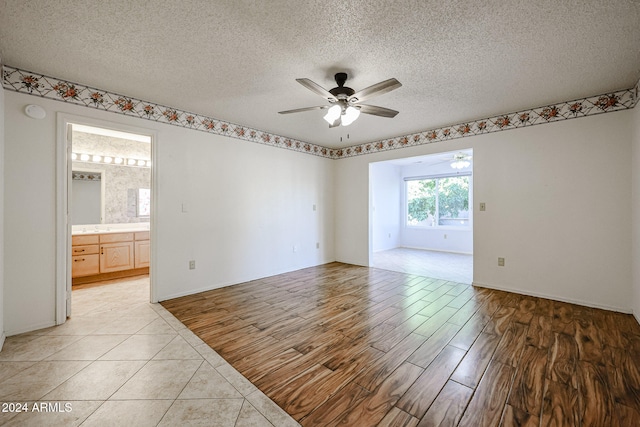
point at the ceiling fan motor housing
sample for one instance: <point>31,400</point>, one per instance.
<point>346,92</point>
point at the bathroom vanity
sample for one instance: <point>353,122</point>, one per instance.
<point>101,254</point>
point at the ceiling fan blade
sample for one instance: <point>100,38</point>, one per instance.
<point>375,90</point>
<point>377,111</point>
<point>299,110</point>
<point>316,88</point>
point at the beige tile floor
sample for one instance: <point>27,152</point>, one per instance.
<point>439,265</point>
<point>121,361</point>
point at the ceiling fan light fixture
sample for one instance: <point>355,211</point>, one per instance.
<point>350,115</point>
<point>460,164</point>
<point>333,114</point>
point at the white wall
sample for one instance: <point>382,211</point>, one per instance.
<point>29,240</point>
<point>558,208</point>
<point>447,239</point>
<point>386,212</point>
<point>247,206</point>
<point>2,181</point>
<point>635,200</point>
<point>438,239</point>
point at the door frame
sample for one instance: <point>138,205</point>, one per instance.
<point>63,223</point>
<point>372,226</point>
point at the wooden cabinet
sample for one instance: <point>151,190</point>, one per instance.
<point>116,257</point>
<point>103,255</point>
<point>85,265</point>
<point>85,239</point>
<point>85,250</point>
<point>142,249</point>
<point>85,259</point>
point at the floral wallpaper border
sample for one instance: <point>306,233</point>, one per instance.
<point>598,104</point>
<point>86,176</point>
<point>62,90</point>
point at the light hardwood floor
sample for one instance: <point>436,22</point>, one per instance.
<point>346,345</point>
<point>441,265</point>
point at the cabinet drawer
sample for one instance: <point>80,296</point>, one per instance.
<point>85,265</point>
<point>85,239</point>
<point>85,250</point>
<point>116,237</point>
<point>142,235</point>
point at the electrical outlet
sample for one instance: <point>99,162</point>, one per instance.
<point>445,236</point>
<point>192,265</point>
<point>317,245</point>
<point>295,248</point>
<point>500,262</point>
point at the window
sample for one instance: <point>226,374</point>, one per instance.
<point>144,202</point>
<point>438,201</point>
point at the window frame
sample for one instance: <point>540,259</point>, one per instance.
<point>436,226</point>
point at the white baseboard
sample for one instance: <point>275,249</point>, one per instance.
<point>31,328</point>
<point>236,282</point>
<point>2,338</point>
<point>555,298</point>
<point>436,250</point>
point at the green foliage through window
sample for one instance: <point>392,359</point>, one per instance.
<point>445,199</point>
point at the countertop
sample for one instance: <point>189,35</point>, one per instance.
<point>105,229</point>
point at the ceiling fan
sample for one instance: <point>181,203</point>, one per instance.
<point>460,160</point>
<point>344,102</point>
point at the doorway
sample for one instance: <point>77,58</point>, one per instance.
<point>105,206</point>
<point>421,216</point>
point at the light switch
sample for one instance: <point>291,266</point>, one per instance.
<point>185,207</point>
<point>483,206</point>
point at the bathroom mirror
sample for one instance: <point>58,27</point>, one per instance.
<point>87,190</point>
<point>120,163</point>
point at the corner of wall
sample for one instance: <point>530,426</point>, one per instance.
<point>2,335</point>
<point>635,206</point>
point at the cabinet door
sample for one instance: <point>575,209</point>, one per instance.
<point>116,257</point>
<point>142,253</point>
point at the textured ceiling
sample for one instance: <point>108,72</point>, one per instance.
<point>237,60</point>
